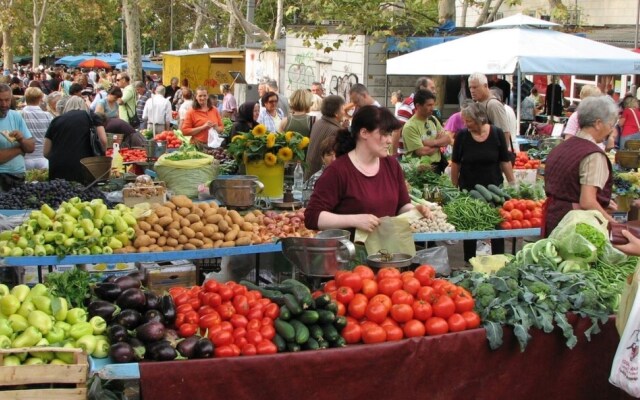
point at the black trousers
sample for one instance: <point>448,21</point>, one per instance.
<point>469,248</point>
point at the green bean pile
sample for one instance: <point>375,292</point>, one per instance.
<point>609,280</point>
<point>469,214</point>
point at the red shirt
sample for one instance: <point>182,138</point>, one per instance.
<point>342,189</point>
<point>196,118</point>
<point>630,124</point>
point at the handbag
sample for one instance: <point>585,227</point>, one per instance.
<point>615,231</point>
<point>134,121</point>
<point>94,139</point>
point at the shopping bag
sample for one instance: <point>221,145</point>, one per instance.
<point>392,235</point>
<point>214,140</point>
<point>626,300</point>
<point>625,370</point>
<point>437,257</point>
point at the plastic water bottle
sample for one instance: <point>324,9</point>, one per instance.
<point>298,181</point>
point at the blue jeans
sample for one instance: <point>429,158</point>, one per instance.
<point>624,139</point>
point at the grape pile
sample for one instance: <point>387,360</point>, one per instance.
<point>31,196</point>
<point>622,186</point>
<point>228,166</point>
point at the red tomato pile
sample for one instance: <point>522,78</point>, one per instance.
<point>130,155</point>
<point>172,140</point>
<point>524,162</point>
<point>237,320</point>
<point>393,305</point>
<point>521,214</point>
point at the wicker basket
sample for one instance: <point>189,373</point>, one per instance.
<point>627,158</point>
<point>96,168</point>
<point>632,145</point>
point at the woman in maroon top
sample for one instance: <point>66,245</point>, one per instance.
<point>362,185</point>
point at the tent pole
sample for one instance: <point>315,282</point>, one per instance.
<point>518,100</point>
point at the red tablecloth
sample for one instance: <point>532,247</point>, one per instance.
<point>452,366</point>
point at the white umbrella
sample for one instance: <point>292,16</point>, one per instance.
<point>518,20</point>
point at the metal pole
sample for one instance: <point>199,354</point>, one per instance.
<point>171,25</point>
<point>635,43</point>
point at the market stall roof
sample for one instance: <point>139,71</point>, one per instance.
<point>524,49</point>
<point>518,20</point>
<point>191,52</point>
<point>146,65</point>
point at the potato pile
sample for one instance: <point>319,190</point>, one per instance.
<point>179,224</point>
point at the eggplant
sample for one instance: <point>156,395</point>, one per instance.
<point>117,333</point>
<point>168,309</point>
<point>132,299</point>
<point>150,332</point>
<point>109,279</point>
<point>203,349</point>
<point>138,347</point>
<point>161,351</point>
<point>104,309</point>
<point>153,315</point>
<point>186,347</point>
<point>121,352</point>
<point>136,275</point>
<point>130,319</point>
<point>153,300</point>
<point>128,282</point>
<point>107,291</point>
<point>171,336</point>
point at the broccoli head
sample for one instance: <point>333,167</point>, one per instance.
<point>485,294</point>
<point>498,314</point>
<point>509,271</point>
<point>540,289</point>
<point>590,299</point>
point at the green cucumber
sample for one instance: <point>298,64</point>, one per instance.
<point>484,192</point>
<point>496,199</point>
<point>339,342</point>
<point>332,306</point>
<point>340,322</point>
<point>280,343</point>
<point>292,304</point>
<point>330,333</point>
<point>476,195</point>
<point>285,314</point>
<point>325,316</point>
<point>284,329</point>
<point>315,331</point>
<point>309,317</point>
<point>293,347</point>
<point>498,191</point>
<point>301,331</point>
<point>301,292</point>
<point>323,344</point>
<point>311,344</point>
<point>322,300</point>
<point>273,295</point>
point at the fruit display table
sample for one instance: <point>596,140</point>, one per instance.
<point>451,366</point>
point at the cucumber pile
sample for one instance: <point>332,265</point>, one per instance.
<point>490,194</point>
<point>304,323</point>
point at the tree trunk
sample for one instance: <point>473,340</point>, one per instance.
<point>446,10</point>
<point>558,11</point>
<point>495,10</point>
<point>197,42</point>
<point>132,27</point>
<point>7,48</point>
<point>276,33</point>
<point>463,17</point>
<point>37,30</point>
<point>482,18</point>
<point>232,31</point>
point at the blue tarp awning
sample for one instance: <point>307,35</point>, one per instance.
<point>146,65</point>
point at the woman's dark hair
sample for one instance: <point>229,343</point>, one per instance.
<point>186,94</point>
<point>265,97</point>
<point>245,111</point>
<point>331,105</point>
<point>369,118</point>
<point>116,91</point>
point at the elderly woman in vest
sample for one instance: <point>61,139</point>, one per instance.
<point>578,173</point>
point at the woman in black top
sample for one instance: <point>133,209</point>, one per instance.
<point>246,119</point>
<point>480,156</point>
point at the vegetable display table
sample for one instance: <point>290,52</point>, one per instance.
<point>451,366</point>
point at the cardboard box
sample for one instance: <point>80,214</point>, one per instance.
<point>160,277</point>
<point>131,196</point>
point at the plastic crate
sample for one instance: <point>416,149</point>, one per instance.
<point>205,266</point>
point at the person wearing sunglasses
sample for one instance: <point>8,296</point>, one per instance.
<point>270,116</point>
<point>423,135</point>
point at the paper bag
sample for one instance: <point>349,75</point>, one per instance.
<point>393,235</point>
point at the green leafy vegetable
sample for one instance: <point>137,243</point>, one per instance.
<point>74,285</point>
<point>592,234</point>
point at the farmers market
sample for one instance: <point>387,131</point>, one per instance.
<point>178,225</point>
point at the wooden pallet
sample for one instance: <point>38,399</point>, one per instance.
<point>42,381</point>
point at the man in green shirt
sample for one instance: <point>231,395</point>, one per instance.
<point>423,134</point>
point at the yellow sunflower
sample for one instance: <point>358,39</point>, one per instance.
<point>289,135</point>
<point>303,143</point>
<point>236,137</point>
<point>270,159</point>
<point>259,130</point>
<point>271,140</point>
<point>285,154</point>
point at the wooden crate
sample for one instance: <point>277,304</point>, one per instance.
<point>34,377</point>
<point>130,198</point>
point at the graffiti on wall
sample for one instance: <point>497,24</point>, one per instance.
<point>341,85</point>
<point>192,74</point>
<point>301,73</point>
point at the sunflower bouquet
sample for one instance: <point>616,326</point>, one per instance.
<point>270,147</point>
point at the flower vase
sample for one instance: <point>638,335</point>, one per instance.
<point>272,177</point>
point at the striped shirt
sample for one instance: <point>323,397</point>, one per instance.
<point>38,122</point>
<point>142,100</point>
